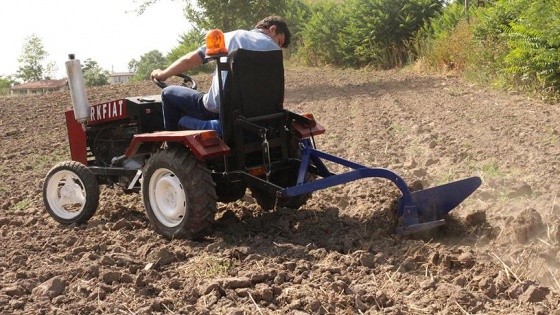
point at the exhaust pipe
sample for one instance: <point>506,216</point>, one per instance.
<point>77,90</point>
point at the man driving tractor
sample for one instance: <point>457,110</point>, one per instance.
<point>186,108</point>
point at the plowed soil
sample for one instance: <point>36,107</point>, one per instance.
<point>338,254</point>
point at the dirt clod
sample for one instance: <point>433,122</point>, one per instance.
<point>528,225</point>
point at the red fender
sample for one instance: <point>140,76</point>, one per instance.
<point>76,138</point>
<point>204,144</point>
<point>306,130</point>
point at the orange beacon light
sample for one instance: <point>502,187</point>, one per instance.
<point>215,43</point>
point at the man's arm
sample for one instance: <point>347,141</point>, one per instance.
<point>180,65</point>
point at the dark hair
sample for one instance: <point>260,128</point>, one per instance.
<point>281,27</point>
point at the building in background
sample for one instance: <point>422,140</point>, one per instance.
<point>120,77</point>
<point>39,87</point>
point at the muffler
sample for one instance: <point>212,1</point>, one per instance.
<point>77,90</point>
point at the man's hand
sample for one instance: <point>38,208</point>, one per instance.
<point>158,75</point>
<point>180,65</point>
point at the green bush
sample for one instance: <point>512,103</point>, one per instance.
<point>379,32</point>
<point>449,43</point>
<point>510,43</point>
<point>321,34</point>
<point>444,42</point>
<point>492,43</point>
<point>296,15</point>
<point>523,38</point>
<point>533,61</point>
<point>360,33</point>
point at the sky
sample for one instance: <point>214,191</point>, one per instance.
<point>106,31</point>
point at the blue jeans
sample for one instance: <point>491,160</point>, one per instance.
<point>183,108</point>
<point>191,123</point>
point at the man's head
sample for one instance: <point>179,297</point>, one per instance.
<point>277,29</point>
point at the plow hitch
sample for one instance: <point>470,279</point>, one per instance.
<point>416,211</point>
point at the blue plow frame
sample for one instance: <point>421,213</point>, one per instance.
<point>417,211</point>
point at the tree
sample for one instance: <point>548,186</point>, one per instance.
<point>231,15</point>
<point>94,75</point>
<point>6,82</point>
<point>188,42</point>
<point>147,63</point>
<point>242,14</point>
<point>32,59</point>
<point>228,15</point>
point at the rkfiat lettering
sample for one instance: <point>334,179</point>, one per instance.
<point>107,111</point>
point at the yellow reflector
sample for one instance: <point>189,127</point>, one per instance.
<point>208,134</point>
<point>309,116</point>
<point>215,43</point>
<point>257,171</point>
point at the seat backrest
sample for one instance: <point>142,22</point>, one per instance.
<point>254,88</point>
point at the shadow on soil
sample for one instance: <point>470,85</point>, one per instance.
<point>296,233</point>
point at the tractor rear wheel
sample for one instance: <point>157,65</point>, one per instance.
<point>71,193</point>
<point>178,194</point>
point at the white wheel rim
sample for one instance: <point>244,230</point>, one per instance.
<point>66,194</point>
<point>167,197</point>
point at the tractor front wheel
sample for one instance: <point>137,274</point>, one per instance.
<point>178,194</point>
<point>71,193</point>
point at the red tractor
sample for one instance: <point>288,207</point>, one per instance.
<point>183,174</point>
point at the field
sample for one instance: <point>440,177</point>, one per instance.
<point>499,253</point>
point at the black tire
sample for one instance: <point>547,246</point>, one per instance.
<point>178,194</point>
<point>71,193</point>
<point>268,201</point>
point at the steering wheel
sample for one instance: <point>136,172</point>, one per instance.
<point>187,82</point>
